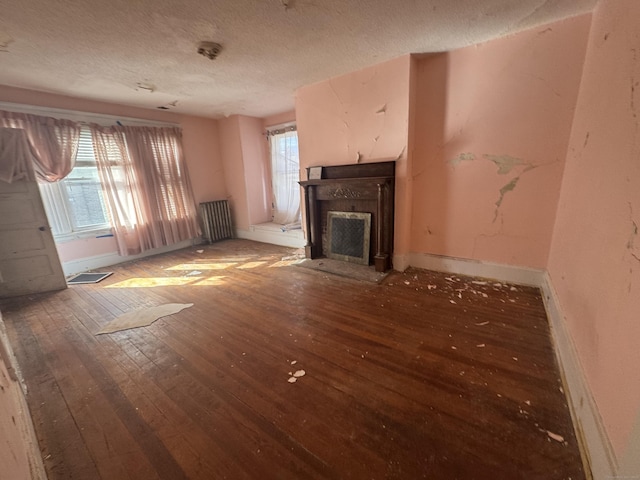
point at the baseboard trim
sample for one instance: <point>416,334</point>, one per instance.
<point>284,239</point>
<point>98,261</point>
<point>476,268</point>
<point>596,448</point>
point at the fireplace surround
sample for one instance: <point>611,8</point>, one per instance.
<point>366,188</point>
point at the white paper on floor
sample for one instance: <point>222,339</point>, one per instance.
<point>142,317</point>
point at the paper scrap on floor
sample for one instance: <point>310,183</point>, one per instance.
<point>142,317</point>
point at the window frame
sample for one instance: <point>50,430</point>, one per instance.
<point>57,203</point>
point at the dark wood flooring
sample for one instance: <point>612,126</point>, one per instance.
<point>426,375</point>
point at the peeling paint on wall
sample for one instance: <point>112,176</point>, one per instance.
<point>503,191</point>
<point>463,157</point>
<point>506,163</point>
<point>634,84</point>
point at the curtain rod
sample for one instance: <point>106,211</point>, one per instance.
<point>280,129</point>
<point>82,117</point>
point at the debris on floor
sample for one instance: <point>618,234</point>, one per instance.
<point>555,436</point>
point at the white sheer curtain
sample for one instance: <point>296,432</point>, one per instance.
<point>146,185</point>
<point>285,173</point>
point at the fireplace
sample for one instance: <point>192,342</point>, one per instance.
<point>364,191</point>
<point>349,235</point>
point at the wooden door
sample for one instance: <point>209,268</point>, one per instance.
<point>29,260</point>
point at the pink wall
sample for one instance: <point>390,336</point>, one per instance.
<point>595,254</point>
<point>491,132</point>
<point>231,149</point>
<point>256,171</point>
<point>279,119</point>
<point>362,116</point>
<point>244,156</point>
<point>85,248</point>
<point>200,143</point>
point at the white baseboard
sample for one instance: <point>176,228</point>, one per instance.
<point>594,441</point>
<point>475,268</point>
<point>400,262</point>
<point>292,238</point>
<point>113,258</point>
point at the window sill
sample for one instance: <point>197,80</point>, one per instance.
<point>69,237</point>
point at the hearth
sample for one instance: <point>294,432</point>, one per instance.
<point>362,190</point>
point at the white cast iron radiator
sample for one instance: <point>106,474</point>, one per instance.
<point>216,220</point>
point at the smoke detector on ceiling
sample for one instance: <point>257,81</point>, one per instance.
<point>209,49</point>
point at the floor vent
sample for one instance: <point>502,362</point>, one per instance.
<point>87,278</point>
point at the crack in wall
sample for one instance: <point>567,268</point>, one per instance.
<point>631,243</point>
<point>509,187</point>
<point>505,165</point>
<point>333,89</point>
<point>547,84</point>
<point>381,111</point>
<point>634,109</point>
<point>499,233</point>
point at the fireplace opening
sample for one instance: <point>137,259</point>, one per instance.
<point>349,236</point>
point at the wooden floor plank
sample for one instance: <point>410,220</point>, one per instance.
<point>426,375</point>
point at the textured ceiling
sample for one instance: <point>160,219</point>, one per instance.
<point>143,52</point>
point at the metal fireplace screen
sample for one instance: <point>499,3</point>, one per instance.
<point>349,236</point>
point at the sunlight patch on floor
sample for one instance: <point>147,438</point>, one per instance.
<point>284,263</point>
<point>211,281</point>
<point>155,282</point>
<point>251,265</point>
<point>202,266</point>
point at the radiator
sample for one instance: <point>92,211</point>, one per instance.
<point>216,220</point>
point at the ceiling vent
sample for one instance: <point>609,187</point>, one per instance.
<point>209,49</point>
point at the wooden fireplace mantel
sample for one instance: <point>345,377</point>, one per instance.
<point>367,187</point>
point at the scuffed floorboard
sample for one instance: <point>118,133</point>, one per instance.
<point>280,372</point>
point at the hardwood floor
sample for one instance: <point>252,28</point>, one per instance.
<point>427,375</point>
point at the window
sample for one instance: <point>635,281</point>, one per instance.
<point>285,173</point>
<point>75,205</point>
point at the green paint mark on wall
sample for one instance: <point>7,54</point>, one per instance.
<point>463,157</point>
<point>506,163</point>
